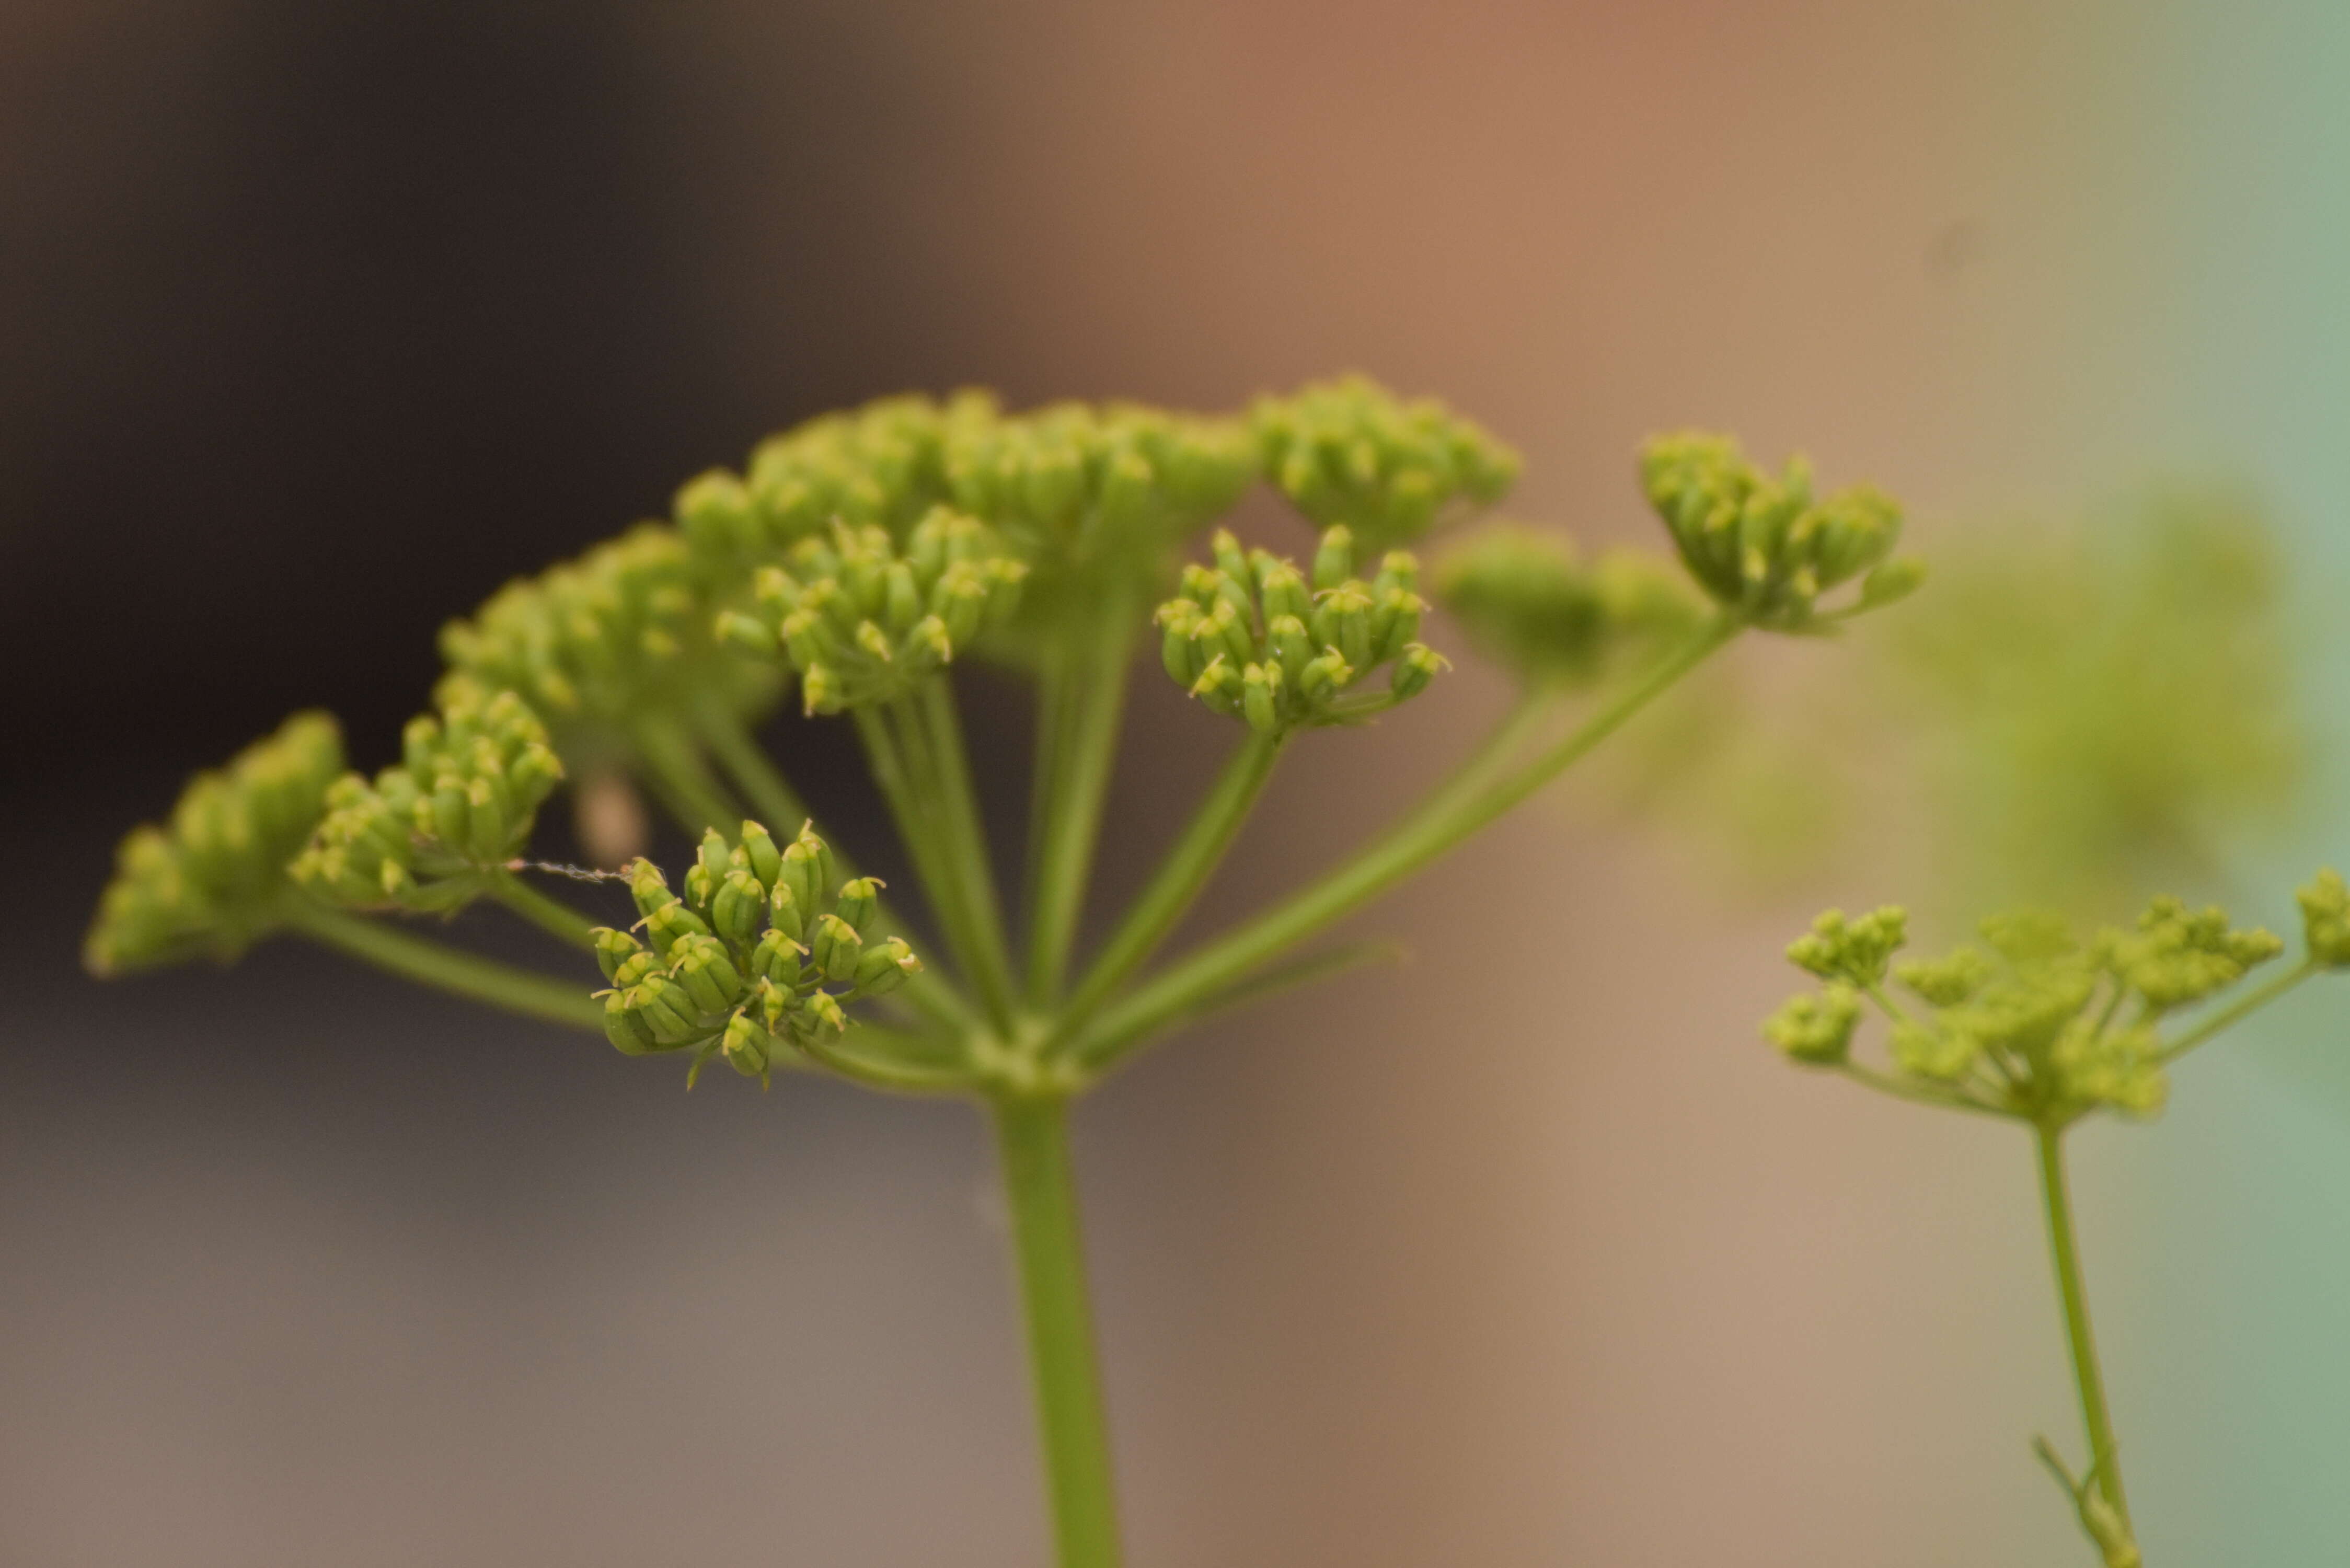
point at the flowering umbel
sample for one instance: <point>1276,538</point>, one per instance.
<point>213,879</point>
<point>426,833</point>
<point>755,962</point>
<point>1255,637</point>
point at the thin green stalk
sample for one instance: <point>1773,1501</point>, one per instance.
<point>878,1072</point>
<point>1078,749</point>
<point>679,776</point>
<point>1032,1141</point>
<point>2237,1010</point>
<point>1918,1093</point>
<point>464,975</point>
<point>932,736</point>
<point>2066,1255</point>
<point>551,915</point>
<point>780,808</point>
<point>1451,815</point>
<point>747,766</point>
<point>1181,878</point>
<point>917,826</point>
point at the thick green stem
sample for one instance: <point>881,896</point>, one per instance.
<point>1181,878</point>
<point>1033,1140</point>
<point>1085,699</point>
<point>429,962</point>
<point>551,915</point>
<point>1454,812</point>
<point>2066,1255</point>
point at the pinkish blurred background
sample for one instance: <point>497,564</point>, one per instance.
<point>1526,1252</point>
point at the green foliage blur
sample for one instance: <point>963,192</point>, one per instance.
<point>2070,716</point>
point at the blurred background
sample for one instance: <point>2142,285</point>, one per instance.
<point>318,322</point>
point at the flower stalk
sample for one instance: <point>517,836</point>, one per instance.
<point>850,565</point>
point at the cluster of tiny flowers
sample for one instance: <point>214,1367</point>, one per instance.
<point>861,619</point>
<point>2037,1021</point>
<point>600,642</point>
<point>1768,548</point>
<point>456,808</point>
<point>1530,603</point>
<point>755,962</point>
<point>1349,451</point>
<point>213,879</point>
<point>1252,638</point>
<point>879,466</point>
<point>1069,478</point>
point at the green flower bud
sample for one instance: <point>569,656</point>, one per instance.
<point>822,1012</point>
<point>1261,698</point>
<point>807,871</point>
<point>701,967</point>
<point>1765,548</point>
<point>1946,982</point>
<point>1418,665</point>
<point>1348,451</point>
<point>835,947</point>
<point>627,1029</point>
<point>746,1047</point>
<point>671,923</point>
<point>858,901</point>
<point>2326,919</point>
<point>785,914</point>
<point>613,948</point>
<point>1856,949</point>
<point>1816,1028</point>
<point>738,909</point>
<point>647,887</point>
<point>776,959</point>
<point>765,860</point>
<point>884,968</point>
<point>665,1009</point>
<point>1334,559</point>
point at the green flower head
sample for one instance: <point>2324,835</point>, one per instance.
<point>1351,452</point>
<point>1255,638</point>
<point>1768,548</point>
<point>861,619</point>
<point>756,961</point>
<point>212,880</point>
<point>596,644</point>
<point>1530,603</point>
<point>428,832</point>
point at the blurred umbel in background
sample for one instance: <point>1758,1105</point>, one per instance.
<point>317,323</point>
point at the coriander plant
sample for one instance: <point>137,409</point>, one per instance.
<point>2044,1027</point>
<point>855,560</point>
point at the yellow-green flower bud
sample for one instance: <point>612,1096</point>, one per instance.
<point>858,901</point>
<point>1816,1028</point>
<point>833,946</point>
<point>776,959</point>
<point>884,968</point>
<point>1856,949</point>
<point>738,909</point>
<point>746,1047</point>
<point>612,948</point>
<point>2326,919</point>
<point>759,850</point>
<point>626,1028</point>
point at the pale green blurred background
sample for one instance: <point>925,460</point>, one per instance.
<point>1528,1252</point>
